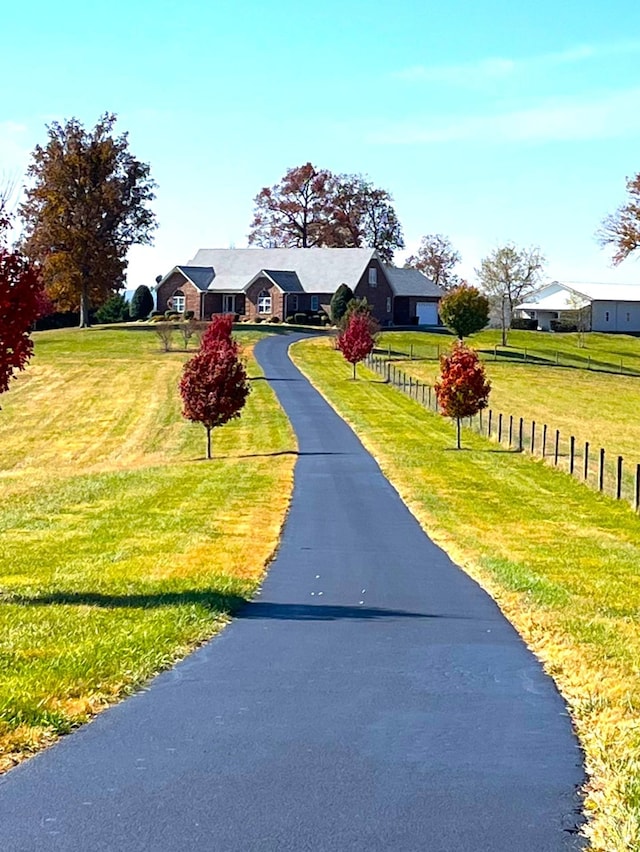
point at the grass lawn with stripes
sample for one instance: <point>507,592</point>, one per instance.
<point>561,560</point>
<point>121,547</point>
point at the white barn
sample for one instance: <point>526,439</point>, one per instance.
<point>606,307</point>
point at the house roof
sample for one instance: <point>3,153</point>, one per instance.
<point>318,270</point>
<point>411,282</point>
<point>564,296</point>
<point>288,282</point>
<point>200,276</point>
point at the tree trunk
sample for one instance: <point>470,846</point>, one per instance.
<point>459,446</point>
<point>354,371</point>
<point>208,428</point>
<point>84,306</point>
<point>504,321</point>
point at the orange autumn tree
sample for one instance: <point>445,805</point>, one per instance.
<point>358,337</point>
<point>463,388</point>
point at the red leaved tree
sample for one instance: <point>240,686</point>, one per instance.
<point>356,340</point>
<point>218,329</point>
<point>22,301</point>
<point>463,389</point>
<point>214,386</point>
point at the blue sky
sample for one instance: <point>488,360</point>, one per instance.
<point>487,120</point>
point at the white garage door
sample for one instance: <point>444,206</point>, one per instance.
<point>427,313</point>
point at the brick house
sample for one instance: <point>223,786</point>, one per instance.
<point>280,282</point>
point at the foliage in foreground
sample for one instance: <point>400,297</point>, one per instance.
<point>560,560</point>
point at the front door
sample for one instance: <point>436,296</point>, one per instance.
<point>228,303</point>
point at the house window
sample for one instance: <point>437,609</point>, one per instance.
<point>264,302</point>
<point>293,302</point>
<point>388,304</point>
<point>178,302</point>
<point>373,277</point>
<point>314,303</point>
<point>606,316</point>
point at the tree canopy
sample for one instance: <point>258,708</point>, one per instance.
<point>464,310</point>
<point>339,302</point>
<point>141,303</point>
<point>357,339</point>
<point>87,204</point>
<point>436,258</point>
<point>463,389</point>
<point>508,275</point>
<point>621,230</point>
<point>313,207</point>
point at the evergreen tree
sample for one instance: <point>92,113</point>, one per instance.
<point>340,302</point>
<point>142,303</point>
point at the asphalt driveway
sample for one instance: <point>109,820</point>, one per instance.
<point>372,697</point>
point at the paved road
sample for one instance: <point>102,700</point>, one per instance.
<point>372,698</point>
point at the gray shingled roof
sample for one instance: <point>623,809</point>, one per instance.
<point>288,282</point>
<point>200,276</point>
<point>319,270</point>
<point>411,282</point>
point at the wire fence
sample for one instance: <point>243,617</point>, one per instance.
<point>603,471</point>
<point>597,362</point>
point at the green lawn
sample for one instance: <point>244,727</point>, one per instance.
<point>561,560</point>
<point>594,406</point>
<point>120,547</point>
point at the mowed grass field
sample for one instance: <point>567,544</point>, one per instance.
<point>595,406</point>
<point>121,547</point>
<point>562,561</point>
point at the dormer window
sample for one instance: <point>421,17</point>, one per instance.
<point>373,277</point>
<point>264,302</point>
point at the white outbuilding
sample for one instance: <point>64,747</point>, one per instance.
<point>600,307</point>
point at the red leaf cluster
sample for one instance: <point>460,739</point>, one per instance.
<point>356,340</point>
<point>463,389</point>
<point>21,303</point>
<point>218,329</point>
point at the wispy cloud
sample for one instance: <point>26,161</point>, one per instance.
<point>606,116</point>
<point>497,68</point>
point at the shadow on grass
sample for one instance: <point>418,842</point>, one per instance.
<point>211,599</point>
<point>271,455</point>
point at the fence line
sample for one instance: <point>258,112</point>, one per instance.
<point>432,352</point>
<point>601,471</point>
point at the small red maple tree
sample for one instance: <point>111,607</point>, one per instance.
<point>22,301</point>
<point>214,386</point>
<point>357,339</point>
<point>219,328</point>
<point>463,389</point>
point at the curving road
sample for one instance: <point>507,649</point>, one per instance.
<point>371,698</point>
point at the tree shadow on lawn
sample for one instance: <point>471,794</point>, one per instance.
<point>211,599</point>
<point>271,455</point>
<point>221,603</point>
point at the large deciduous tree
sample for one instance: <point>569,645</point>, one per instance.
<point>464,310</point>
<point>436,258</point>
<point>463,389</point>
<point>364,216</point>
<point>214,384</point>
<point>621,230</point>
<point>87,204</point>
<point>356,340</point>
<point>22,301</point>
<point>293,213</point>
<point>313,207</point>
<point>508,275</point>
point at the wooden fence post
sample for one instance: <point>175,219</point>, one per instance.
<point>429,396</point>
<point>500,428</point>
<point>586,461</point>
<point>481,421</point>
<point>510,429</point>
<point>520,433</point>
<point>601,470</point>
<point>489,423</point>
<point>556,448</point>
<point>544,440</point>
<point>572,455</point>
<point>619,478</point>
<point>388,377</point>
<point>636,502</point>
<point>533,436</point>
